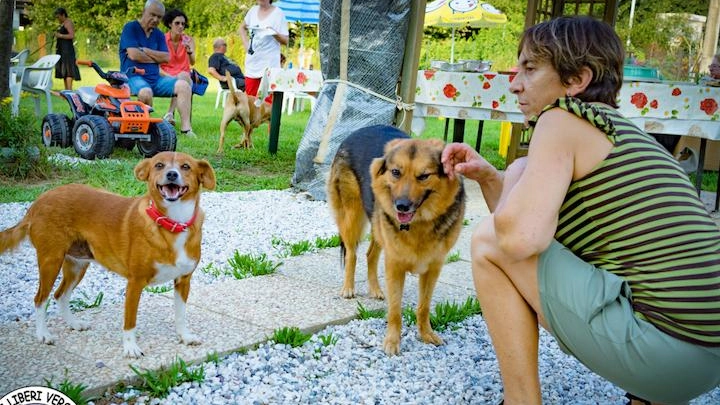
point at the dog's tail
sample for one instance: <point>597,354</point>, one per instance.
<point>11,237</point>
<point>231,87</point>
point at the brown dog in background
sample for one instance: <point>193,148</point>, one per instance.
<point>416,213</point>
<point>149,240</point>
<point>244,109</point>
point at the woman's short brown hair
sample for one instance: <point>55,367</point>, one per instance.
<point>571,43</point>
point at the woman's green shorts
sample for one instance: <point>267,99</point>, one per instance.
<point>589,312</point>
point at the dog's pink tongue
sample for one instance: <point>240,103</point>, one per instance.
<point>171,192</point>
<point>404,217</point>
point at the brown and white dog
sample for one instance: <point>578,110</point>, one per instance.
<point>247,110</point>
<point>415,211</point>
<point>149,240</point>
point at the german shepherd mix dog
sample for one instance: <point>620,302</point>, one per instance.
<point>151,239</point>
<point>415,211</point>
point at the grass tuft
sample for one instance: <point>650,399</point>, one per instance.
<point>157,384</point>
<point>76,392</point>
<point>449,313</point>
<point>291,336</point>
<point>80,304</point>
<point>364,313</point>
<point>246,265</point>
<point>158,289</point>
<point>328,340</point>
<point>453,257</point>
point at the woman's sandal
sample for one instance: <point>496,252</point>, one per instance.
<point>632,397</point>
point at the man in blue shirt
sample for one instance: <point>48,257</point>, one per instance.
<point>143,45</point>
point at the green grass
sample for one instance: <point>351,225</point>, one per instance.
<point>76,392</point>
<point>364,313</point>
<point>328,340</point>
<point>453,257</point>
<point>449,313</point>
<point>85,302</point>
<point>246,265</point>
<point>158,289</point>
<point>291,336</point>
<point>298,248</point>
<point>443,316</point>
<point>157,384</point>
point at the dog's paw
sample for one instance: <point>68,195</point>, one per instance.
<point>130,346</point>
<point>45,337</point>
<point>76,324</point>
<point>376,293</point>
<point>391,345</point>
<point>431,337</point>
<point>132,350</point>
<point>347,292</point>
<point>190,339</point>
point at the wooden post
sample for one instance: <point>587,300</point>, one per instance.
<point>712,29</point>
<point>411,61</point>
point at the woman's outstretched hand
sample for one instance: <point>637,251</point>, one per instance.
<point>460,158</point>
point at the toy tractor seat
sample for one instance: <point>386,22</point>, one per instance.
<point>88,95</point>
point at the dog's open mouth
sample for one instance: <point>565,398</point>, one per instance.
<point>405,217</point>
<point>171,191</point>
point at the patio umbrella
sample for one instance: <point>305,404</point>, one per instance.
<point>301,11</point>
<point>459,13</point>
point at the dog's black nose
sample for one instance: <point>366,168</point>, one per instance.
<point>172,175</point>
<point>403,205</point>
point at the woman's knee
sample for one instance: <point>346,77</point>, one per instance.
<point>483,247</point>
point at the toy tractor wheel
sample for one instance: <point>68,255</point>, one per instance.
<point>162,138</point>
<point>93,137</point>
<point>56,130</point>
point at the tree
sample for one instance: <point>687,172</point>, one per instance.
<point>6,39</point>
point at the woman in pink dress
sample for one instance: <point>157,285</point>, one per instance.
<point>182,52</point>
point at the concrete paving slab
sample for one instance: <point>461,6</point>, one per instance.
<point>95,357</point>
<point>24,361</point>
<point>276,301</point>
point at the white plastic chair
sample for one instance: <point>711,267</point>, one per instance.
<point>289,101</point>
<point>16,70</point>
<point>37,79</point>
<point>221,94</point>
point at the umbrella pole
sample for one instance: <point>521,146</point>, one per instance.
<point>452,46</point>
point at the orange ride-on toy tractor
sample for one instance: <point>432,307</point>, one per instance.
<point>105,116</point>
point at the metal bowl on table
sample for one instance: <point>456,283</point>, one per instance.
<point>438,65</point>
<point>456,67</point>
<point>477,65</point>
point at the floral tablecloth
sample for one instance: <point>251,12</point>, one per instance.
<point>286,80</point>
<point>665,108</point>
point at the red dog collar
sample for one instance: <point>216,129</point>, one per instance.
<point>167,223</point>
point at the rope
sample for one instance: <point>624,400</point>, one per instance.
<point>398,102</point>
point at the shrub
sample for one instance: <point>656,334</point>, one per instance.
<point>20,154</point>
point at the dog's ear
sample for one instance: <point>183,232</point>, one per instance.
<point>377,167</point>
<point>207,175</point>
<point>142,169</point>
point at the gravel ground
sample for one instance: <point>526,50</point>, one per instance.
<point>354,370</point>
